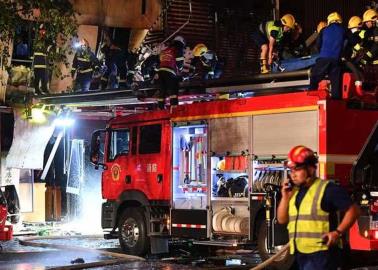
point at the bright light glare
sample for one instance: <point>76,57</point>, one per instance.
<point>38,116</point>
<point>77,45</point>
<point>64,122</point>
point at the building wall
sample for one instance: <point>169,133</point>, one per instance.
<point>309,13</point>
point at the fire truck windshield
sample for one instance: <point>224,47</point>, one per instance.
<point>119,143</point>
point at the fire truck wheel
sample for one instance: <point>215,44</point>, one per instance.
<point>132,231</point>
<point>283,262</point>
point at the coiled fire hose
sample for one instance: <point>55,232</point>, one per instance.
<point>271,259</point>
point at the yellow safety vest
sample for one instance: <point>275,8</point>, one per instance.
<point>308,225</point>
<point>269,27</point>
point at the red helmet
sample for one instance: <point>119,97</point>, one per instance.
<point>301,156</point>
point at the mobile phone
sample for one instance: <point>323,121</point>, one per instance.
<point>324,240</point>
<point>290,184</point>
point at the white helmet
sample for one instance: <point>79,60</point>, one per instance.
<point>179,39</point>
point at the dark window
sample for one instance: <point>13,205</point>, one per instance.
<point>119,143</point>
<point>150,139</point>
<point>134,141</point>
<point>6,130</point>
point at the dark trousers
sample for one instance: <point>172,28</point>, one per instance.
<point>83,82</point>
<point>169,86</point>
<point>40,77</point>
<point>322,260</point>
<point>330,67</point>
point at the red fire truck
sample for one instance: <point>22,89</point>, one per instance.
<point>210,171</point>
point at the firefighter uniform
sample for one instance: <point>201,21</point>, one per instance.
<point>116,65</point>
<point>171,62</point>
<point>331,41</point>
<point>310,208</point>
<point>370,40</point>
<point>268,30</point>
<point>40,68</point>
<point>355,38</point>
<point>83,64</point>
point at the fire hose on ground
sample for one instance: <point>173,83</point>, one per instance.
<point>120,258</point>
<point>267,262</point>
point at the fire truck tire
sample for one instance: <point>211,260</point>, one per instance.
<point>132,232</point>
<point>283,262</point>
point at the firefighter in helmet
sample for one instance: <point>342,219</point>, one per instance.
<point>171,63</point>
<point>293,43</point>
<point>83,65</point>
<point>309,207</point>
<point>40,62</point>
<point>354,38</point>
<point>209,61</point>
<point>330,42</point>
<point>115,62</point>
<point>268,35</point>
<point>370,39</point>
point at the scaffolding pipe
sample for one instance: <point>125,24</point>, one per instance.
<point>182,26</point>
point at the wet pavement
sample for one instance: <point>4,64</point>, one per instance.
<point>17,257</point>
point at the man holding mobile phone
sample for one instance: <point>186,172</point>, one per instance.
<point>310,210</point>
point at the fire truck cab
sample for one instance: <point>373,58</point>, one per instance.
<point>211,171</point>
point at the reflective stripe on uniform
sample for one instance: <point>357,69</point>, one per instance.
<point>39,66</point>
<point>85,70</point>
<point>40,54</point>
<point>168,70</point>
<point>83,59</point>
<point>310,217</point>
<point>315,235</point>
<point>357,47</point>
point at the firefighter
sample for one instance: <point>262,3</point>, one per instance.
<point>268,35</point>
<point>330,42</point>
<point>354,38</point>
<point>309,206</point>
<point>209,61</point>
<point>40,63</point>
<point>83,64</point>
<point>115,62</point>
<point>370,39</point>
<point>293,43</point>
<point>171,63</point>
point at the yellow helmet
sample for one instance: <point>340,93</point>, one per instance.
<point>199,49</point>
<point>354,22</point>
<point>288,20</point>
<point>369,15</point>
<point>320,26</point>
<point>334,17</point>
